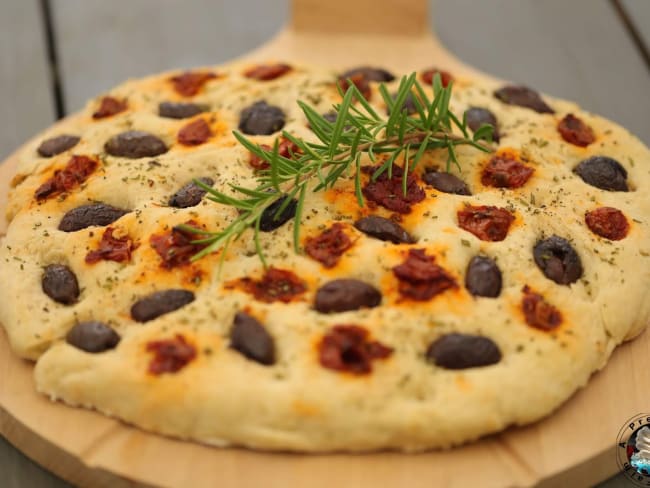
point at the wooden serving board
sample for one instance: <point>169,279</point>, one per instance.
<point>573,447</point>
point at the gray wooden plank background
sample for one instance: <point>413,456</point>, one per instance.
<point>575,49</point>
<point>578,49</point>
<point>101,46</point>
<point>639,11</point>
<point>560,47</point>
<point>25,92</point>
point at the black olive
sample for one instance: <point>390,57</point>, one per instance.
<point>269,222</point>
<point>603,172</point>
<point>179,110</point>
<point>369,73</point>
<point>483,277</point>
<point>558,260</point>
<point>251,338</point>
<point>383,229</point>
<point>261,119</point>
<point>99,214</point>
<point>446,182</point>
<point>462,351</point>
<point>523,97</point>
<point>160,303</point>
<point>57,145</point>
<point>190,194</point>
<point>477,116</point>
<point>60,284</point>
<point>93,337</point>
<point>135,144</point>
<point>346,294</point>
<point>408,105</point>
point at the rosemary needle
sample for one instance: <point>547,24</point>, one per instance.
<point>358,129</point>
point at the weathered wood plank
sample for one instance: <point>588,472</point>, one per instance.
<point>639,12</point>
<point>26,104</point>
<point>555,47</point>
<point>148,37</point>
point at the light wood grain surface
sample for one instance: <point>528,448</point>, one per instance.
<point>579,49</point>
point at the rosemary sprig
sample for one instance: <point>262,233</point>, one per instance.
<point>357,130</point>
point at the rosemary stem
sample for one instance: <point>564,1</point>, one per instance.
<point>358,130</point>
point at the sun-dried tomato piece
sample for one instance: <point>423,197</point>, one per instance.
<point>194,133</point>
<point>347,348</point>
<point>360,81</point>
<point>574,131</point>
<point>190,83</point>
<point>266,72</point>
<point>286,149</point>
<point>276,285</point>
<point>258,163</point>
<point>486,222</point>
<point>538,312</point>
<point>445,76</point>
<point>506,172</point>
<point>78,169</point>
<point>607,222</point>
<point>109,106</point>
<point>420,278</point>
<point>112,248</point>
<point>389,192</point>
<point>170,355</point>
<point>175,247</point>
<point>329,246</point>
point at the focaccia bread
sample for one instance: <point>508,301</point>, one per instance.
<point>479,299</point>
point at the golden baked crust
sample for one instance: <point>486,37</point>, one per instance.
<point>408,400</point>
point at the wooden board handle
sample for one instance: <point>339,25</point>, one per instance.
<point>385,17</point>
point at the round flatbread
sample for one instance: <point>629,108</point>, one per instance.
<point>474,300</point>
